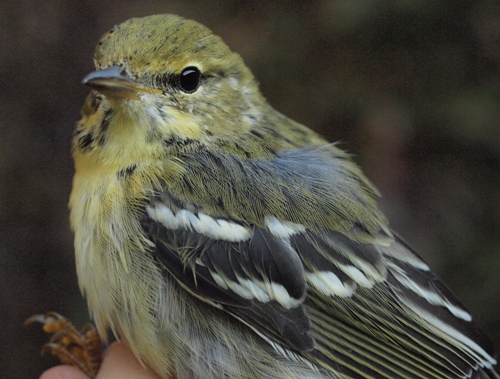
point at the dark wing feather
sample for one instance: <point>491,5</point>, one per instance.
<point>368,326</point>
<point>389,330</point>
<point>221,273</point>
<point>323,275</point>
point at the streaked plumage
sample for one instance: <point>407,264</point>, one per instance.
<point>221,239</point>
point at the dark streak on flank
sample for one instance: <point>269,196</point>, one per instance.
<point>256,133</point>
<point>127,172</point>
<point>188,187</point>
<point>86,141</point>
<point>176,141</point>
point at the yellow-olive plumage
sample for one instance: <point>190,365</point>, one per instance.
<point>220,239</point>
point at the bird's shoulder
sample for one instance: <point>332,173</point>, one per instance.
<point>316,187</point>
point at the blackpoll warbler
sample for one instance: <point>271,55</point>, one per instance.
<point>221,239</point>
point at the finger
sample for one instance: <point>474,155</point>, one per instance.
<point>64,372</point>
<point>119,362</point>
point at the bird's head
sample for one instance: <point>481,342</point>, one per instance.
<point>164,83</point>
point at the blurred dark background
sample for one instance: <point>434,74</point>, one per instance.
<point>410,87</point>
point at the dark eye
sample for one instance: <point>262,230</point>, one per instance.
<point>189,79</point>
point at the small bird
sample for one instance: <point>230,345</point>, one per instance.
<point>220,239</point>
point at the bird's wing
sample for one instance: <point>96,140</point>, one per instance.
<point>408,325</point>
<point>333,285</point>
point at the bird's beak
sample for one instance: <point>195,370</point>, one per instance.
<point>114,82</point>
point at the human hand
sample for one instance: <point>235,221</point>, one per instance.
<point>118,362</point>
